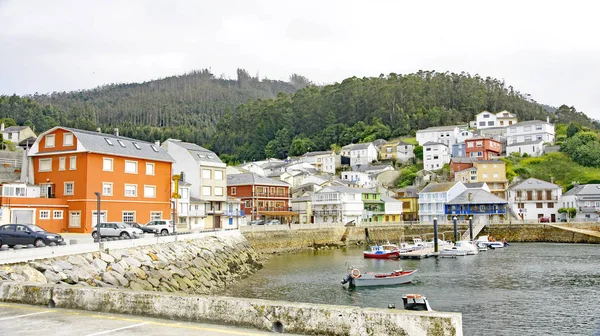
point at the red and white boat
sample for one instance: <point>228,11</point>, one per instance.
<point>385,251</point>
<point>398,277</point>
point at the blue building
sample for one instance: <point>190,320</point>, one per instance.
<point>459,150</point>
<point>483,206</point>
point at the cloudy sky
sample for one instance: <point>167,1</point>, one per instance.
<point>549,49</point>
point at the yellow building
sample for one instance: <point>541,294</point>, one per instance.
<point>387,151</point>
<point>410,203</point>
<point>492,172</point>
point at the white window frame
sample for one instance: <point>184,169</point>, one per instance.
<point>218,188</point>
<point>46,212</point>
<point>57,212</point>
<point>111,189</point>
<point>204,189</point>
<point>128,212</point>
<point>40,165</point>
<point>217,173</point>
<point>65,137</point>
<point>62,163</point>
<point>50,136</point>
<point>148,164</point>
<point>72,162</point>
<point>65,188</point>
<point>112,164</point>
<point>125,190</point>
<point>204,171</point>
<point>151,187</point>
<point>131,162</point>
<point>71,213</point>
<point>153,215</point>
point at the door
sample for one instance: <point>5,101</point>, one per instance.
<point>8,235</point>
<point>217,222</point>
<point>553,218</point>
<point>23,216</point>
<point>95,217</point>
<point>22,235</point>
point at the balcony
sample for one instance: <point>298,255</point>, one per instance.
<point>197,213</point>
<point>326,212</point>
<point>476,210</point>
<point>272,195</point>
<point>535,199</point>
<point>589,209</point>
<point>234,213</point>
<point>273,209</point>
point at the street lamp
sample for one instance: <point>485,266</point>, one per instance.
<point>454,221</point>
<point>98,221</point>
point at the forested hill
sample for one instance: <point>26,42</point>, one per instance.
<point>364,109</point>
<point>187,107</point>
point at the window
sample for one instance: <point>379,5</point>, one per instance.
<point>248,204</point>
<point>72,162</point>
<point>131,190</point>
<point>527,129</point>
<point>206,173</point>
<point>155,215</point>
<point>482,123</point>
<point>149,191</point>
<point>485,175</point>
<point>110,143</point>
<point>218,191</point>
<point>550,205</point>
<point>45,165</point>
<point>149,168</point>
<point>528,138</point>
<point>428,149</point>
<point>496,175</point>
<point>135,144</point>
<point>107,189</point>
<point>538,127</point>
<point>490,123</point>
<point>62,163</point>
<point>206,191</point>
<point>435,157</point>
<point>69,188</point>
<point>233,190</point>
<point>121,143</point>
<point>131,167</point>
<point>68,139</point>
<point>218,175</point>
<point>128,216</point>
<point>107,164</point>
<point>588,204</point>
<point>539,205</point>
<point>184,192</point>
<point>74,219</point>
<point>49,141</point>
<point>521,205</point>
<point>57,214</point>
<point>486,115</point>
<point>154,148</point>
<point>44,214</point>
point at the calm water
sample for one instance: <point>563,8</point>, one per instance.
<point>525,289</point>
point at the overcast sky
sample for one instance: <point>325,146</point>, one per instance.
<point>549,49</point>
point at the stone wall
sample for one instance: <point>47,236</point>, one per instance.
<point>538,233</point>
<point>299,318</point>
<point>193,266</point>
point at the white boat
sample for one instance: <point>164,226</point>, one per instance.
<point>398,277</point>
<point>450,253</point>
<point>484,241</point>
<point>415,302</point>
<point>462,248</point>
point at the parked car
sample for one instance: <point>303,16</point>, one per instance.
<point>162,226</point>
<point>274,222</point>
<point>142,227</point>
<point>116,229</point>
<point>544,220</point>
<point>25,234</point>
<point>257,222</point>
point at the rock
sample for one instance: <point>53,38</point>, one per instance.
<point>56,268</point>
<point>70,277</point>
<point>154,281</point>
<point>152,256</point>
<point>176,270</point>
<point>32,275</point>
<point>78,260</point>
<point>107,258</point>
<point>102,284</point>
<point>16,277</point>
<point>40,266</point>
<point>118,268</point>
<point>139,273</point>
<point>160,264</point>
<point>99,264</point>
<point>110,279</point>
<point>165,274</point>
<point>132,262</point>
<point>124,264</point>
<point>84,273</point>
<point>136,287</point>
<point>65,265</point>
<point>144,284</point>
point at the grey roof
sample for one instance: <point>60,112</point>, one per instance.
<point>199,153</point>
<point>530,122</point>
<point>370,168</point>
<point>276,174</point>
<point>431,143</point>
<point>462,159</point>
<point>379,142</point>
<point>389,199</point>
<point>15,129</point>
<point>584,190</point>
<point>252,179</point>
<point>475,185</point>
<point>197,200</point>
<point>525,143</point>
<point>409,192</point>
<point>360,146</point>
<point>29,141</point>
<point>533,184</point>
<point>96,142</point>
<point>439,187</point>
<point>440,128</point>
<point>317,153</point>
<point>478,196</point>
<point>271,165</point>
<point>342,189</point>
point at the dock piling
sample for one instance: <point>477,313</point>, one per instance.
<point>435,235</point>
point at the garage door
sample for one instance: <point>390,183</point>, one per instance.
<point>22,216</point>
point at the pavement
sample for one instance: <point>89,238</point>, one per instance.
<point>24,320</point>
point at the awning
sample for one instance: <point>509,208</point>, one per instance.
<point>278,213</point>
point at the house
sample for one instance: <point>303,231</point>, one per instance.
<point>303,206</point>
<point>448,135</point>
<point>483,148</point>
<point>487,119</point>
<point>261,197</point>
<point>373,206</point>
<point>337,204</point>
<point>397,151</point>
<point>531,148</point>
<point>206,178</point>
<point>325,161</point>
<point>433,198</point>
<point>459,150</point>
<point>16,134</point>
<point>362,154</point>
<point>477,185</point>
<point>410,203</point>
<point>366,176</point>
<point>478,204</point>
<point>533,130</point>
<point>392,209</point>
<point>585,199</point>
<point>435,155</point>
<point>491,172</point>
<point>234,215</point>
<point>73,168</point>
<point>459,164</point>
<point>533,199</point>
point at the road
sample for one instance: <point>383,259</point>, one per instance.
<point>24,320</point>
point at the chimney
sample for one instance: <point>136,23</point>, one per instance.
<point>116,132</point>
<point>2,127</point>
<point>182,177</point>
<point>99,130</point>
<point>551,179</point>
<point>157,142</point>
<point>470,197</point>
<point>548,119</point>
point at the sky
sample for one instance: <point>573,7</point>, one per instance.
<point>549,49</point>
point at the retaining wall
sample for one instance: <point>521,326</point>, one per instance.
<point>301,318</point>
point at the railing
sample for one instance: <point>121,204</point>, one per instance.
<point>234,213</point>
<point>476,212</point>
<point>326,212</point>
<point>589,209</point>
<point>11,162</point>
<point>275,194</point>
<point>273,209</point>
<point>534,199</point>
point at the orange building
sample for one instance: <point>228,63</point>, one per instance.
<point>133,178</point>
<point>483,148</point>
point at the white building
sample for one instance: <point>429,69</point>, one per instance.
<point>435,155</point>
<point>303,206</point>
<point>362,154</point>
<point>392,206</point>
<point>531,148</point>
<point>448,135</point>
<point>585,199</point>
<point>337,204</point>
<point>365,176</point>
<point>404,151</point>
<point>326,161</point>
<point>533,199</point>
<point>487,119</point>
<point>526,131</point>
<point>433,199</point>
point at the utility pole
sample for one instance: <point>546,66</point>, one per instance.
<point>98,221</point>
<point>175,197</point>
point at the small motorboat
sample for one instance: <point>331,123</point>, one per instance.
<point>415,302</point>
<point>385,251</point>
<point>398,277</point>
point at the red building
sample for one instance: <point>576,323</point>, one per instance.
<point>483,148</point>
<point>460,163</point>
<point>262,197</point>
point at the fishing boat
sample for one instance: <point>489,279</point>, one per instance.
<point>385,251</point>
<point>415,302</point>
<point>398,277</point>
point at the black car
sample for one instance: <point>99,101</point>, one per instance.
<point>144,228</point>
<point>25,234</point>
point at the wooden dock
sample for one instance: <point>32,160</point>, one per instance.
<point>420,254</point>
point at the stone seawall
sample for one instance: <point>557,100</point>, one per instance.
<point>539,233</point>
<point>299,318</point>
<point>197,266</point>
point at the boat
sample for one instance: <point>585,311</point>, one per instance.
<point>398,277</point>
<point>385,251</point>
<point>481,247</point>
<point>415,302</point>
<point>461,248</point>
<point>452,253</point>
<point>490,242</point>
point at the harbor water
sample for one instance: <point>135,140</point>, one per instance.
<point>524,289</point>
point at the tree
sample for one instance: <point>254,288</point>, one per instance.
<point>8,122</point>
<point>418,151</point>
<point>280,145</point>
<point>300,145</point>
<point>572,129</point>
